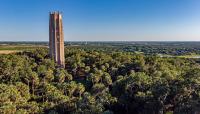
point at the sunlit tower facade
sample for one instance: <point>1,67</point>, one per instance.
<point>56,38</point>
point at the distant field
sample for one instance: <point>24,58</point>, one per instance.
<point>9,51</point>
<point>179,56</point>
<point>21,47</point>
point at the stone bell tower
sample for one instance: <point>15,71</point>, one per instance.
<point>56,38</point>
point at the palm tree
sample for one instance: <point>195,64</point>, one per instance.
<point>80,89</point>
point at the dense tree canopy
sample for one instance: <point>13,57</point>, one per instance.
<point>98,82</point>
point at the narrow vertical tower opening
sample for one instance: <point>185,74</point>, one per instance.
<point>56,38</point>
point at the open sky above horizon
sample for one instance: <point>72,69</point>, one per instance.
<point>102,20</point>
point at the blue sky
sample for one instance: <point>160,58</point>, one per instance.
<point>102,20</point>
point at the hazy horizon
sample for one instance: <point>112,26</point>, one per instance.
<point>102,20</point>
<point>102,40</point>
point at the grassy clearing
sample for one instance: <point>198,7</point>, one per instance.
<point>20,47</point>
<point>189,56</point>
<point>180,56</point>
<point>9,51</point>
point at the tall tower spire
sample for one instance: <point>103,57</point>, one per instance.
<point>56,38</point>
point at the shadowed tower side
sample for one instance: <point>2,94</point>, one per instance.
<point>56,38</point>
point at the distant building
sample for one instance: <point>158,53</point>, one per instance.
<point>56,38</point>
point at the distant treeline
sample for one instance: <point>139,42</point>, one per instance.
<point>148,48</point>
